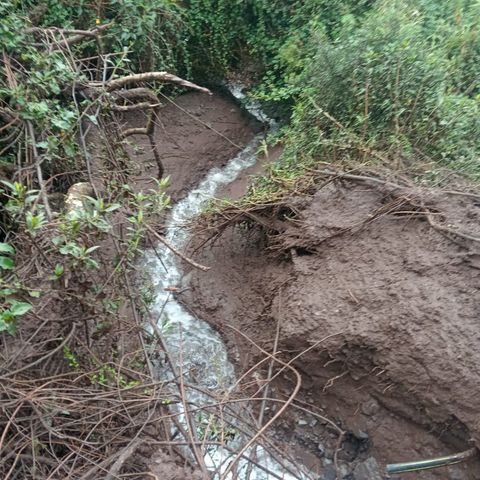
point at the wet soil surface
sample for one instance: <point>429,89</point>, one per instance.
<point>395,308</point>
<point>194,133</point>
<point>401,374</point>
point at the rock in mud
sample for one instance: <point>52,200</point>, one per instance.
<point>368,470</point>
<point>370,408</point>
<point>76,196</point>
<point>329,473</point>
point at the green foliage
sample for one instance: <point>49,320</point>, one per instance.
<point>6,263</point>
<point>70,357</point>
<point>152,31</point>
<point>400,78</point>
<point>108,376</point>
<point>33,90</point>
<point>10,307</point>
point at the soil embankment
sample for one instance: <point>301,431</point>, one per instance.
<point>194,133</point>
<point>400,371</point>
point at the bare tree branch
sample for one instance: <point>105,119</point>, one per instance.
<point>138,78</point>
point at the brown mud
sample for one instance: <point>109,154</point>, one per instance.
<point>395,307</point>
<point>194,133</point>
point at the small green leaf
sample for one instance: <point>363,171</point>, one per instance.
<point>59,269</point>
<point>113,207</point>
<point>7,325</point>
<point>6,248</point>
<point>93,119</point>
<point>34,293</point>
<point>19,308</point>
<point>7,263</point>
<point>5,292</point>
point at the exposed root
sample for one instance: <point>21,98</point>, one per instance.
<point>275,216</point>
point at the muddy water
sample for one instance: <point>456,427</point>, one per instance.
<point>194,347</point>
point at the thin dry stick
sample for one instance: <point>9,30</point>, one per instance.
<point>192,432</point>
<point>448,231</point>
<point>175,251</point>
<point>41,359</point>
<point>37,162</point>
<point>277,414</point>
<point>123,456</point>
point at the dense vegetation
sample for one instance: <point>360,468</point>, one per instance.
<point>396,81</point>
<point>397,77</point>
<point>359,82</point>
<point>356,82</point>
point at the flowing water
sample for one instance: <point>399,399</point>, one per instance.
<point>195,348</point>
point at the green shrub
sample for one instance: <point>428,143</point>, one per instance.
<point>403,81</point>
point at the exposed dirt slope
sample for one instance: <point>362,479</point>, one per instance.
<point>402,371</point>
<point>194,133</point>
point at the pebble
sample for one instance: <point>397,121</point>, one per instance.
<point>368,470</point>
<point>330,473</point>
<point>361,435</point>
<point>321,449</point>
<point>370,408</point>
<point>302,423</point>
<point>343,470</point>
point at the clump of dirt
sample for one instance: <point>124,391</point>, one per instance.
<point>393,305</point>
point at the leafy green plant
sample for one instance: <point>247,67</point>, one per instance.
<point>401,82</point>
<point>108,376</point>
<point>79,254</point>
<point>10,314</point>
<point>70,357</point>
<point>6,262</point>
<point>11,309</point>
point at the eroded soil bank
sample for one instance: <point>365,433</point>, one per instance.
<point>397,299</point>
<point>194,133</point>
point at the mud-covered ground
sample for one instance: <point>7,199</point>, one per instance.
<point>194,133</point>
<point>395,307</point>
<point>400,372</point>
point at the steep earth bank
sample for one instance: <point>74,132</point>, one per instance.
<point>397,299</point>
<point>194,133</point>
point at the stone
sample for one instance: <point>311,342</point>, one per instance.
<point>321,449</point>
<point>329,473</point>
<point>302,423</point>
<point>361,435</point>
<point>457,472</point>
<point>76,196</point>
<point>370,408</point>
<point>343,470</point>
<point>368,470</point>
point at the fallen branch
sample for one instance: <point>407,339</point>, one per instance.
<point>137,106</point>
<point>77,35</point>
<point>124,455</point>
<point>445,230</point>
<point>138,78</point>
<point>175,251</point>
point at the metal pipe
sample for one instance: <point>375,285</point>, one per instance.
<point>432,463</point>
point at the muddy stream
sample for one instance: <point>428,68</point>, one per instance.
<point>195,349</point>
<point>401,379</point>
